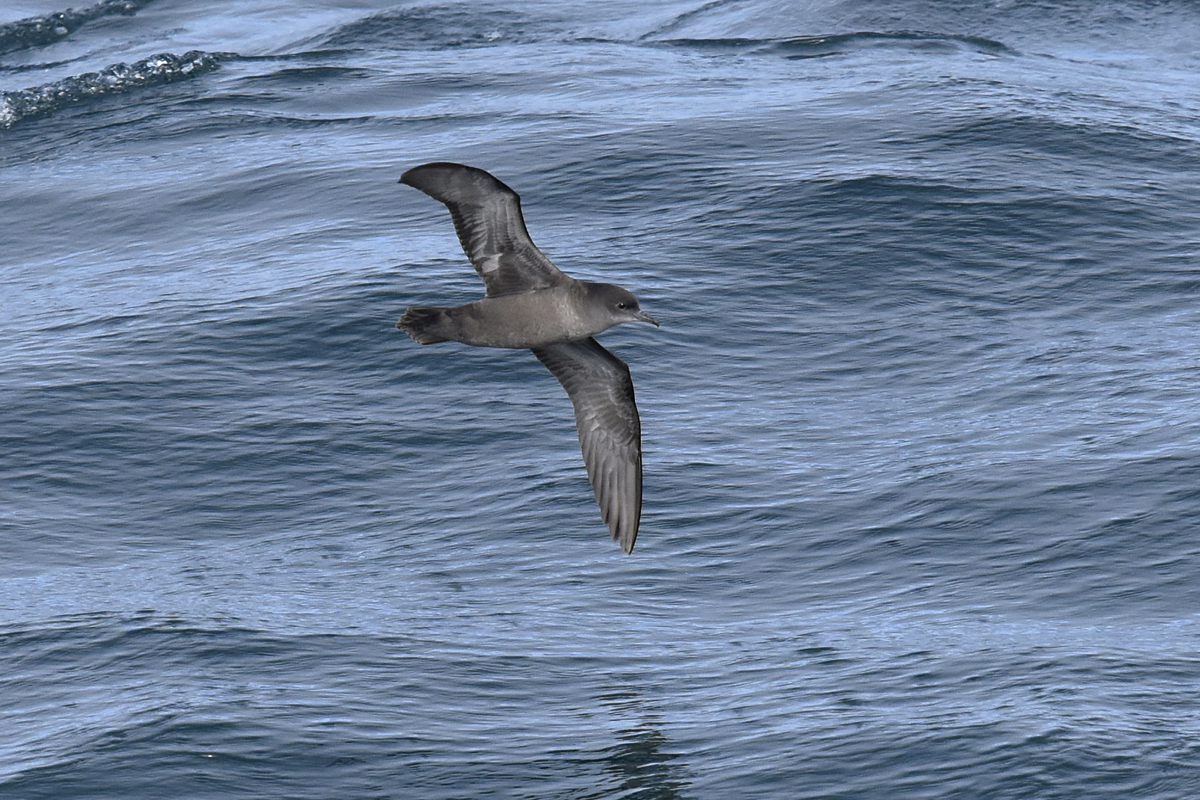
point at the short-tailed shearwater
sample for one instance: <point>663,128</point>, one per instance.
<point>529,303</point>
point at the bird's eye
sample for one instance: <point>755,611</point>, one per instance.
<point>622,305</point>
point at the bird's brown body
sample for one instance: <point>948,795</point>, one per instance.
<point>533,319</point>
<point>531,304</point>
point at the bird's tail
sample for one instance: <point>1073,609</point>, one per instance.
<point>424,324</point>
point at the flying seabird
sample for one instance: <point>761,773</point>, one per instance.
<point>529,303</point>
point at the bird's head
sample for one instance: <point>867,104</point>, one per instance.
<point>620,304</point>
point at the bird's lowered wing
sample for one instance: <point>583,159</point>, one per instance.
<point>610,433</point>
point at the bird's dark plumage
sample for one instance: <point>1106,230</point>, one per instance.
<point>610,432</point>
<point>487,218</point>
<point>530,303</point>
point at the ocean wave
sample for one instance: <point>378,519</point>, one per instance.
<point>50,28</point>
<point>116,79</point>
<point>687,16</point>
<point>430,28</point>
<point>798,47</point>
<point>817,46</point>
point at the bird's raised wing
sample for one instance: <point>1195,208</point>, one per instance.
<point>487,218</point>
<point>610,432</point>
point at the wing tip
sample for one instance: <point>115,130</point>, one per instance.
<point>624,531</point>
<point>448,181</point>
<point>414,172</point>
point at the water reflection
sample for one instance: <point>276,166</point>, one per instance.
<point>642,762</point>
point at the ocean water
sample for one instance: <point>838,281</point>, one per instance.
<point>921,425</point>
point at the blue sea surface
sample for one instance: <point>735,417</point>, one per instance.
<point>921,426</point>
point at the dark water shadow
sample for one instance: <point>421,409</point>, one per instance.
<point>643,762</point>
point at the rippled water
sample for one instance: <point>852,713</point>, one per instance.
<point>921,426</point>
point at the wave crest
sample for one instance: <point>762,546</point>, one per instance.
<point>116,79</point>
<point>41,31</point>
